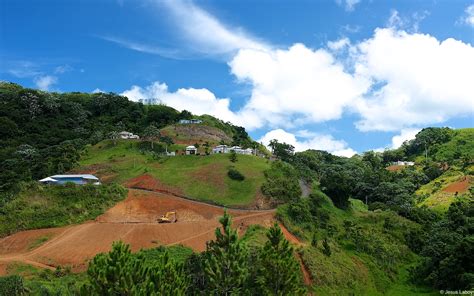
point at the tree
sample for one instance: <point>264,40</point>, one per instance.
<point>226,263</point>
<point>161,115</point>
<point>233,156</point>
<point>151,133</point>
<point>279,272</point>
<point>120,272</point>
<point>281,182</point>
<point>114,136</point>
<point>282,151</point>
<point>167,140</point>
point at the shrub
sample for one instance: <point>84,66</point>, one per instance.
<point>12,285</point>
<point>235,175</point>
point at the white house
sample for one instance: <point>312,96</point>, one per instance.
<point>236,149</point>
<point>128,135</point>
<point>190,121</point>
<point>408,163</point>
<point>220,149</point>
<point>191,150</point>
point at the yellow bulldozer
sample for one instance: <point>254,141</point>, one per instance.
<point>169,217</point>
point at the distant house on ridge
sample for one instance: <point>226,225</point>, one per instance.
<point>400,162</point>
<point>128,135</point>
<point>190,121</point>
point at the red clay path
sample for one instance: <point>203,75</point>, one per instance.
<point>132,221</point>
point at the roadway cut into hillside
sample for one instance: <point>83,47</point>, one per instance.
<point>132,221</point>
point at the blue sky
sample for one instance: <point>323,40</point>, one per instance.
<point>339,75</point>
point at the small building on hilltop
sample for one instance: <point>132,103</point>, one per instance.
<point>190,121</point>
<point>236,149</point>
<point>408,163</point>
<point>76,179</point>
<point>128,135</point>
<point>220,149</point>
<point>191,150</point>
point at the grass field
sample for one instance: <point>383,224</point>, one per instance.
<point>199,177</point>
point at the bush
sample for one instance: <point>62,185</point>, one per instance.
<point>11,285</point>
<point>281,182</point>
<point>235,175</point>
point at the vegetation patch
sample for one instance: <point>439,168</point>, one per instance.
<point>38,242</point>
<point>235,175</point>
<point>42,206</point>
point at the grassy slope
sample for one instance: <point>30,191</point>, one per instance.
<point>461,146</point>
<point>350,271</point>
<point>433,196</point>
<point>40,206</point>
<point>200,177</point>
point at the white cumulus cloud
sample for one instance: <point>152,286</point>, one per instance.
<point>405,135</point>
<point>316,142</point>
<point>297,82</point>
<point>198,101</point>
<point>416,80</point>
<point>468,17</point>
<point>45,82</point>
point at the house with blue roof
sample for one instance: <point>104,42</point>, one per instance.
<point>76,179</point>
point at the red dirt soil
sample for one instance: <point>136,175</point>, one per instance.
<point>132,221</point>
<point>148,182</point>
<point>461,186</point>
<point>394,168</point>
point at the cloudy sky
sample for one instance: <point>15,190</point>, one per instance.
<point>338,75</point>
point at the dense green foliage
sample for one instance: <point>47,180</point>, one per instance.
<point>278,273</point>
<point>42,206</point>
<point>120,272</point>
<point>448,250</point>
<point>12,286</point>
<point>281,182</point>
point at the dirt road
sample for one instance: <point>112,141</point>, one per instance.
<point>132,221</point>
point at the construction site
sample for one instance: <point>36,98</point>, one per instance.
<point>145,219</point>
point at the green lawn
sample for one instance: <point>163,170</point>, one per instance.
<point>199,177</point>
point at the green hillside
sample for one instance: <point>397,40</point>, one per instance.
<point>200,177</point>
<point>368,250</point>
<point>437,194</point>
<point>446,157</point>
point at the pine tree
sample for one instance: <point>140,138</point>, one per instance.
<point>226,262</point>
<point>120,272</point>
<point>279,272</point>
